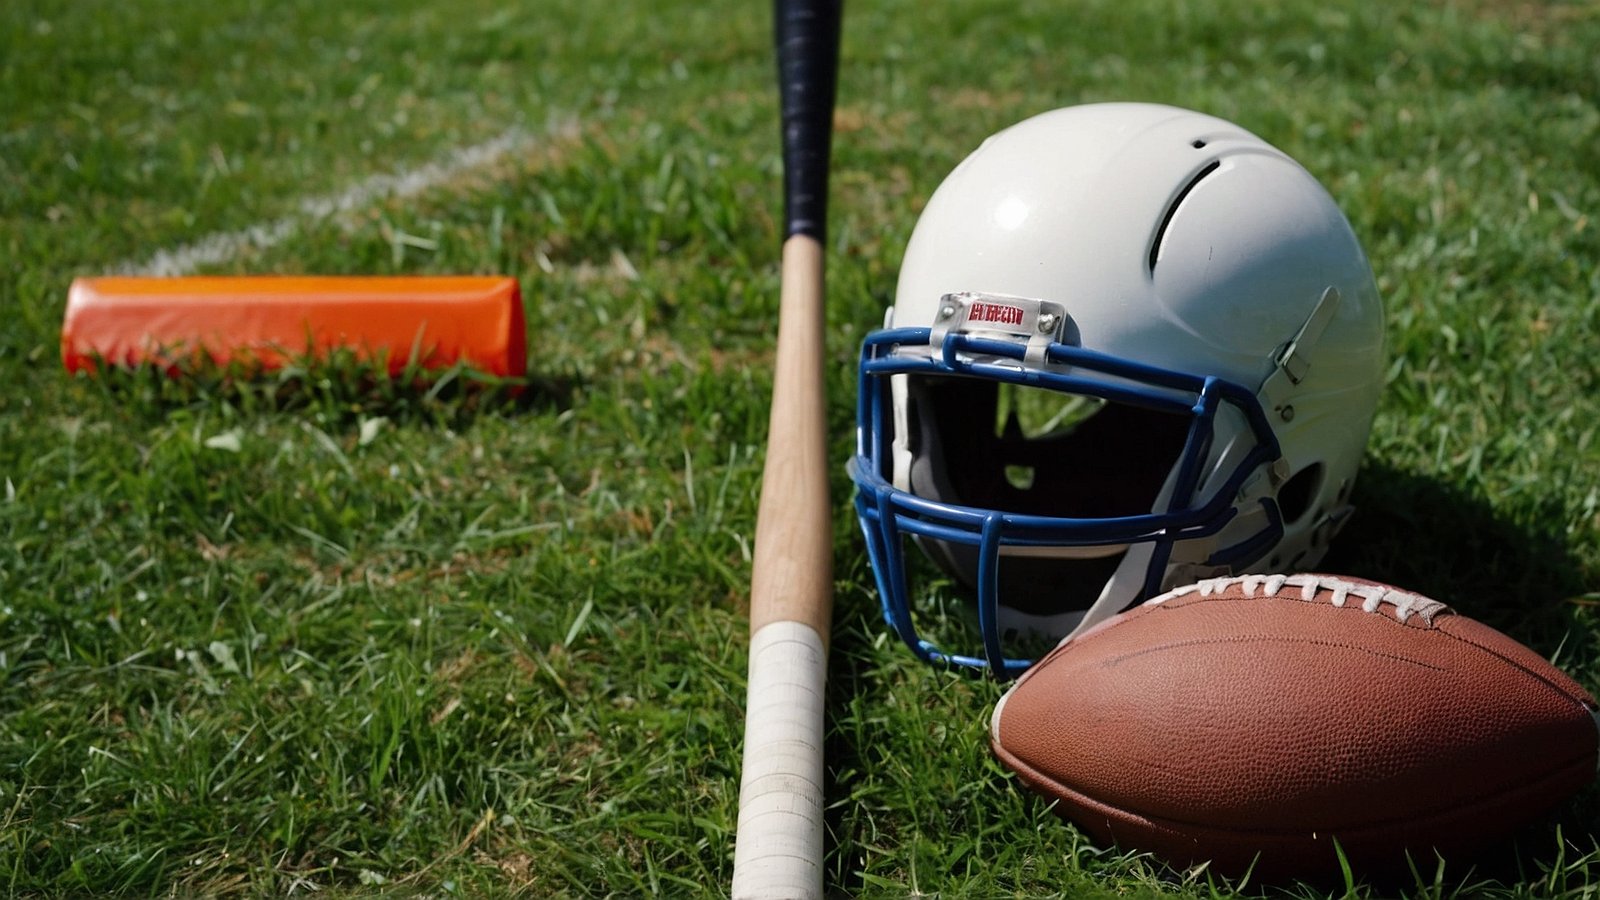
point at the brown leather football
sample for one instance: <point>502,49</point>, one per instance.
<point>1255,720</point>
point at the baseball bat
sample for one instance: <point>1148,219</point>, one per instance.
<point>778,850</point>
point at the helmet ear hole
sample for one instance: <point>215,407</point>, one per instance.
<point>1294,498</point>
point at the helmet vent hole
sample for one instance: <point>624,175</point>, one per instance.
<point>1197,143</point>
<point>1172,210</point>
<point>1294,498</point>
<point>1020,477</point>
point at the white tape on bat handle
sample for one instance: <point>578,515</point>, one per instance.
<point>778,851</point>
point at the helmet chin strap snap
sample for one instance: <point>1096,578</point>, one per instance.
<point>1292,361</point>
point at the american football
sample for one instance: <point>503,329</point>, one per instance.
<point>1256,721</point>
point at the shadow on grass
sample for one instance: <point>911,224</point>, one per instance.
<point>1421,535</point>
<point>335,391</point>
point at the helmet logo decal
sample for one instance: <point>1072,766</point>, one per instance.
<point>1002,313</point>
<point>1035,323</point>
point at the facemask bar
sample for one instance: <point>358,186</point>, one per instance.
<point>888,514</point>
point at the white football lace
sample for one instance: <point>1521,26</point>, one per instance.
<point>1372,596</point>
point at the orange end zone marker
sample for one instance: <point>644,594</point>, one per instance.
<point>271,320</point>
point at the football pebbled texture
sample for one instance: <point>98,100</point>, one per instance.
<point>1252,721</point>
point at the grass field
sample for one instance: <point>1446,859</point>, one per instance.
<point>308,634</point>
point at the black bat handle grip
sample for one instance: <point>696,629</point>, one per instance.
<point>808,65</point>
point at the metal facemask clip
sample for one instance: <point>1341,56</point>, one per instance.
<point>1035,323</point>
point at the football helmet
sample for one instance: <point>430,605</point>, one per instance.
<point>1131,346</point>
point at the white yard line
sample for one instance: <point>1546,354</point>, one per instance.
<point>224,246</point>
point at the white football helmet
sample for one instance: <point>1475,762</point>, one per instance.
<point>1132,346</point>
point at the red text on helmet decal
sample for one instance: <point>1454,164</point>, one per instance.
<point>994,312</point>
